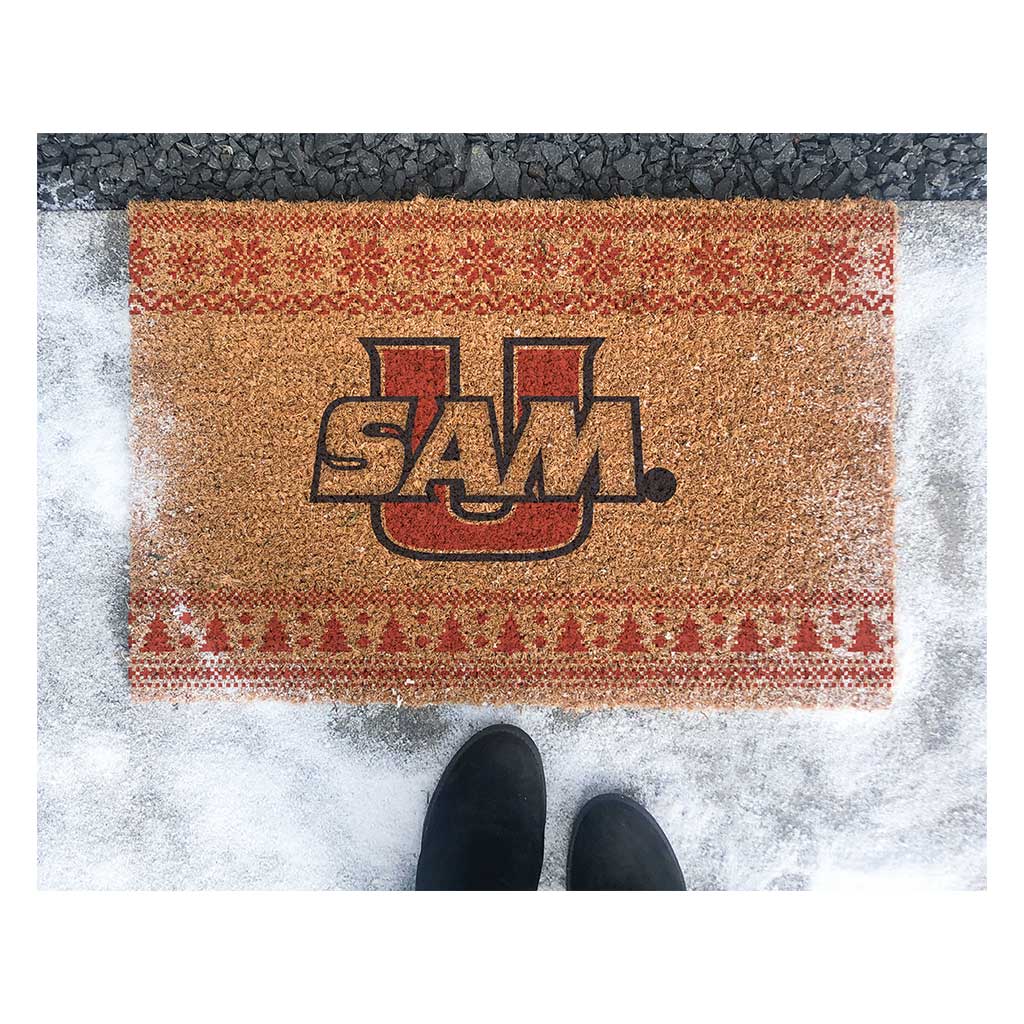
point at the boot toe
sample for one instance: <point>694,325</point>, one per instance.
<point>484,827</point>
<point>617,845</point>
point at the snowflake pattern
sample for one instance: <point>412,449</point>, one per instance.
<point>774,258</point>
<point>422,260</point>
<point>139,261</point>
<point>715,263</point>
<point>481,263</point>
<point>656,259</point>
<point>597,261</point>
<point>303,260</point>
<point>880,260</point>
<point>362,261</point>
<point>245,261</point>
<point>541,262</point>
<point>187,261</point>
<point>678,265</point>
<point>833,262</point>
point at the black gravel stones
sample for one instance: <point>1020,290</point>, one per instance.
<point>105,171</point>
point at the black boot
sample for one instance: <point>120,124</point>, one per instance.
<point>484,827</point>
<point>616,844</point>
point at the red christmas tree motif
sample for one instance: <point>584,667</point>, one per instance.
<point>157,640</point>
<point>216,641</point>
<point>747,640</point>
<point>630,641</point>
<point>275,640</point>
<point>866,640</point>
<point>451,641</point>
<point>334,640</point>
<point>511,640</point>
<point>689,638</point>
<point>392,640</point>
<point>571,641</point>
<point>806,639</point>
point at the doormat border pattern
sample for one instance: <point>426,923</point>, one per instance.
<point>841,639</point>
<point>824,258</point>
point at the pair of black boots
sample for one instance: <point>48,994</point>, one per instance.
<point>485,827</point>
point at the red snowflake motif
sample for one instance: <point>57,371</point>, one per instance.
<point>245,261</point>
<point>656,259</point>
<point>597,261</point>
<point>881,261</point>
<point>423,260</point>
<point>187,261</point>
<point>303,261</point>
<point>715,263</point>
<point>833,262</point>
<point>362,261</point>
<point>773,257</point>
<point>138,261</point>
<point>481,262</point>
<point>541,262</point>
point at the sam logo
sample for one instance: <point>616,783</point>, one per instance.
<point>444,483</point>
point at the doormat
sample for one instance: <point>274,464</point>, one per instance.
<point>632,452</point>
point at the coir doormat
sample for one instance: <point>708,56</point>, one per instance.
<point>576,453</point>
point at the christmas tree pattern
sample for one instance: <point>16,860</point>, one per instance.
<point>334,640</point>
<point>866,640</point>
<point>689,638</point>
<point>747,639</point>
<point>275,639</point>
<point>451,641</point>
<point>630,641</point>
<point>157,639</point>
<point>392,640</point>
<point>511,640</point>
<point>571,641</point>
<point>216,641</point>
<point>806,640</point>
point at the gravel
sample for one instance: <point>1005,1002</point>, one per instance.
<point>105,171</point>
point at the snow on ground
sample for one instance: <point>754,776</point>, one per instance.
<point>274,795</point>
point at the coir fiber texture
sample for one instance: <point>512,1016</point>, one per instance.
<point>633,452</point>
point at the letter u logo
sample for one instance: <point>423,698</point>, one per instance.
<point>440,526</point>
